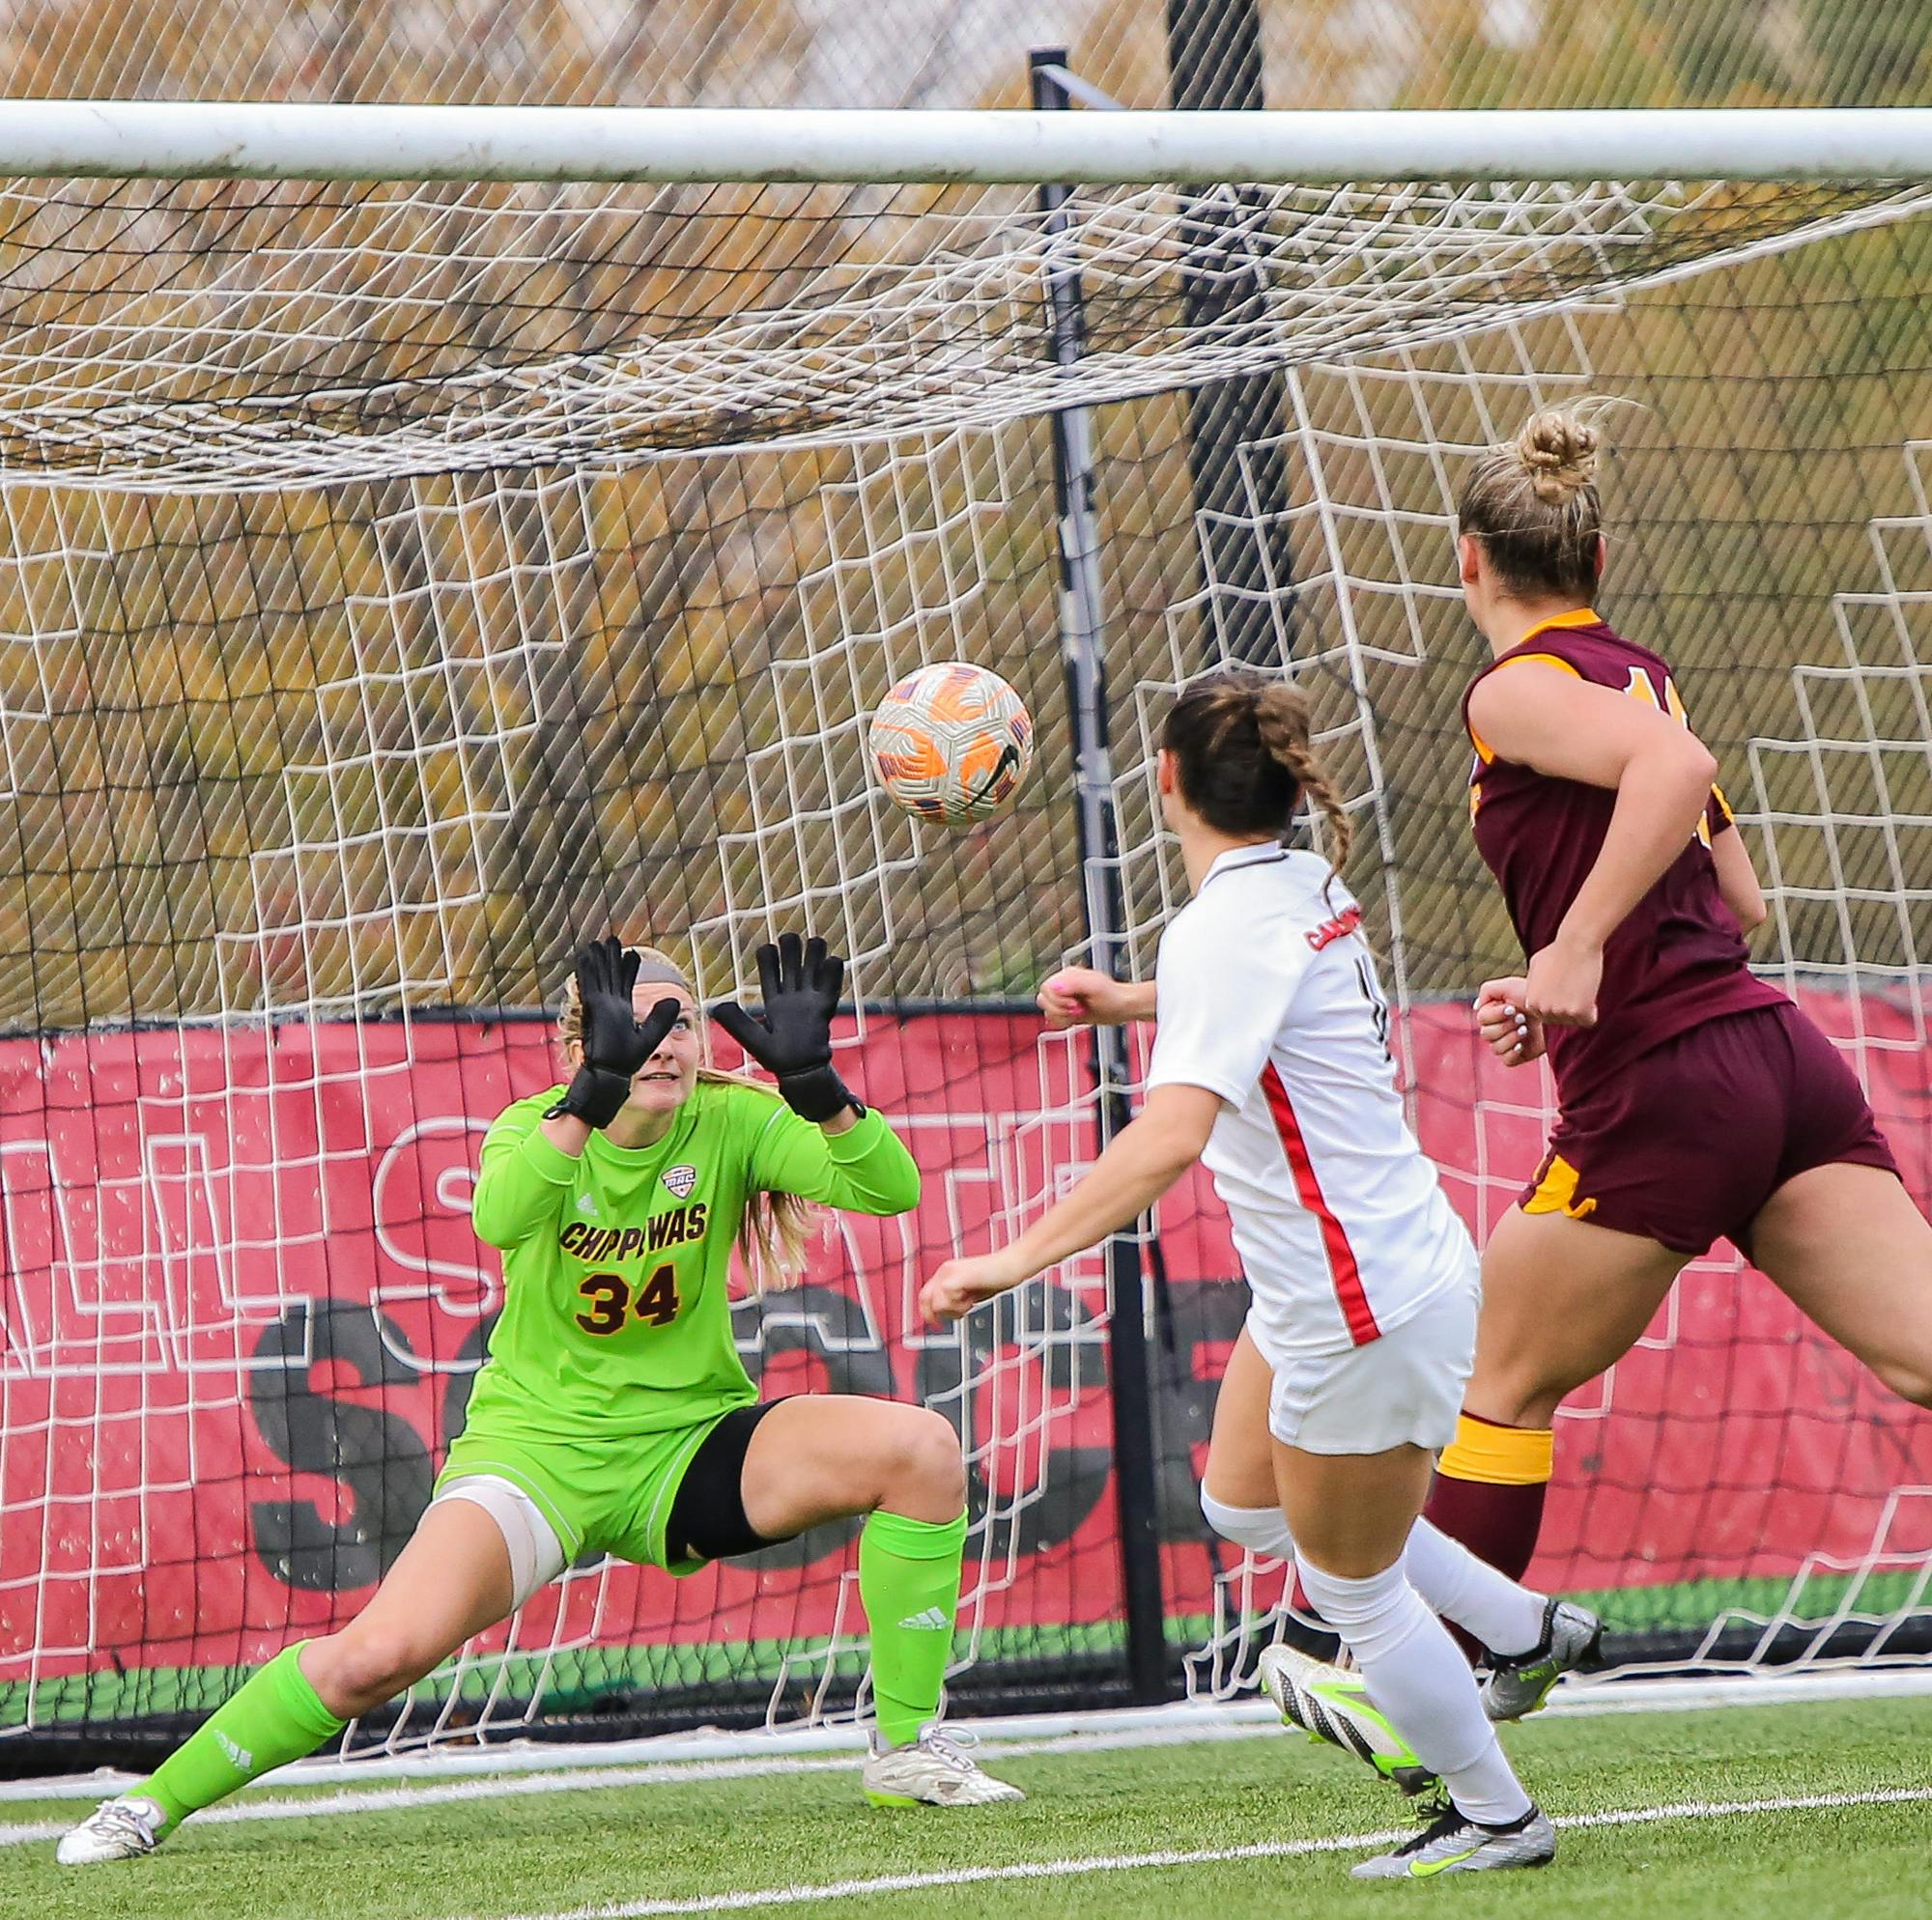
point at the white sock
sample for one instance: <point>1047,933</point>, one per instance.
<point>1262,1530</point>
<point>1506,1618</point>
<point>1421,1685</point>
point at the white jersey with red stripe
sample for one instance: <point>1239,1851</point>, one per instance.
<point>1266,995</point>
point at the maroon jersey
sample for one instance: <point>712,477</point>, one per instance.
<point>1678,959</point>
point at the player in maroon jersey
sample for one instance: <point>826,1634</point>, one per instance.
<point>1696,1102</point>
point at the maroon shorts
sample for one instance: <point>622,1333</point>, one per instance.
<point>1688,1142</point>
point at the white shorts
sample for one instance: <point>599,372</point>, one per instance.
<point>536,1554</point>
<point>1404,1389</point>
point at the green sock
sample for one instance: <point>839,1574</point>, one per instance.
<point>272,1718</point>
<point>909,1582</point>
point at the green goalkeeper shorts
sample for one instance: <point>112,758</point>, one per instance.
<point>610,1493</point>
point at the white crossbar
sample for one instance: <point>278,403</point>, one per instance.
<point>218,140</point>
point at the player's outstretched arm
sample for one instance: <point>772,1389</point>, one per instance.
<point>1085,997</point>
<point>862,1166</point>
<point>518,1180</point>
<point>1144,1159</point>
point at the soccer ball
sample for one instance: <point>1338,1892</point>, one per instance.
<point>951,743</point>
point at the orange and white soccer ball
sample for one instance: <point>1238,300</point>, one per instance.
<point>951,743</point>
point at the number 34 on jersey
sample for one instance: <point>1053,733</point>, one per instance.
<point>613,1301</point>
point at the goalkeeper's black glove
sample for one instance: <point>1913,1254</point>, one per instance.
<point>792,1035</point>
<point>615,1046</point>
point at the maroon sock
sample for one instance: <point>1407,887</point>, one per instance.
<point>1487,1493</point>
<point>1499,1524</point>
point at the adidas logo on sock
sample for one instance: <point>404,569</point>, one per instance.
<point>238,1756</point>
<point>935,1620</point>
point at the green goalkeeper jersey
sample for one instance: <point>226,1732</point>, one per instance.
<point>616,1317</point>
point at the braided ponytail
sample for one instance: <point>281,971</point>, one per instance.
<point>1281,721</point>
<point>1245,759</point>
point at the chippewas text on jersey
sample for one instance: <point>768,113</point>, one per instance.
<point>584,1242</point>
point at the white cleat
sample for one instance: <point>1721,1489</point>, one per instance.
<point>934,1771</point>
<point>1334,1706</point>
<point>121,1829</point>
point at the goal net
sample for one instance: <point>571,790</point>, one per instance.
<point>400,584</point>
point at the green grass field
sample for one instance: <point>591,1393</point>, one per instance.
<point>663,1844</point>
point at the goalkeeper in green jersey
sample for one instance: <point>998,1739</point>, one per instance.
<point>613,1413</point>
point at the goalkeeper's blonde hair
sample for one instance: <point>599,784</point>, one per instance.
<point>776,1231</point>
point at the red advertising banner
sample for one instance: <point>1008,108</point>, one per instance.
<point>240,1306</point>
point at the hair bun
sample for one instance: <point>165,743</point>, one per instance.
<point>1559,451</point>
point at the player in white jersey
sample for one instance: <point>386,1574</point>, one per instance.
<point>1266,996</point>
<point>1271,1064</point>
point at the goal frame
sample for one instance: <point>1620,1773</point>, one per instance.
<point>214,141</point>
<point>220,140</point>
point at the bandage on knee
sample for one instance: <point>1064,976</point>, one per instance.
<point>537,1555</point>
<point>1262,1530</point>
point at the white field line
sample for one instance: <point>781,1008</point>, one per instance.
<point>721,1755</point>
<point>586,1779</point>
<point>1264,1850</point>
